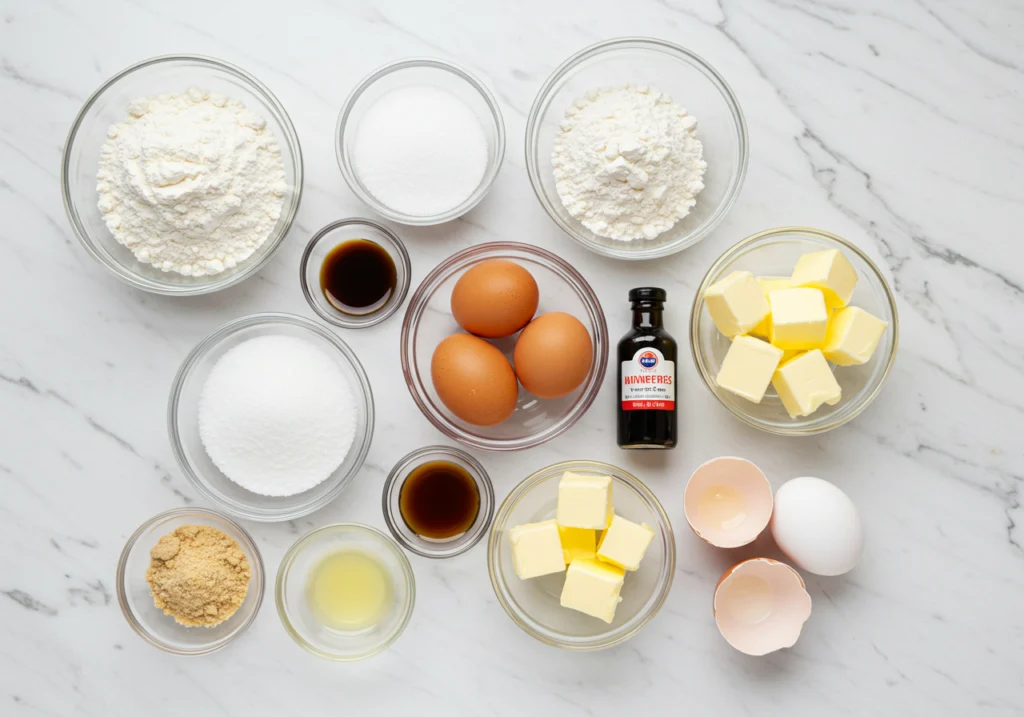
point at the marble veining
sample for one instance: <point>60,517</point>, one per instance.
<point>895,124</point>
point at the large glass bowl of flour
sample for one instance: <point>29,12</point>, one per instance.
<point>193,456</point>
<point>109,105</point>
<point>690,82</point>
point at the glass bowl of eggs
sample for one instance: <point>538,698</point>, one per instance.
<point>818,358</point>
<point>504,346</point>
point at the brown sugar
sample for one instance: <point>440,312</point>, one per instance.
<point>198,575</point>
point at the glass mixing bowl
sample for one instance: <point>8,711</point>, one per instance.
<point>534,604</point>
<point>691,82</point>
<point>428,320</point>
<point>109,105</point>
<point>136,599</point>
<point>293,579</point>
<point>420,71</point>
<point>774,253</point>
<point>183,419</point>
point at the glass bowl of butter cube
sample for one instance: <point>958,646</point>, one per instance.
<point>581,555</point>
<point>794,330</point>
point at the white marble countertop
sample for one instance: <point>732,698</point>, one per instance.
<point>895,124</point>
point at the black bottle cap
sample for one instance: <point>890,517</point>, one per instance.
<point>647,293</point>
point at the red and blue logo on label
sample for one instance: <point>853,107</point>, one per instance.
<point>647,360</point>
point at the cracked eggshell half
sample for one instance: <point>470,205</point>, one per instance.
<point>817,526</point>
<point>761,606</point>
<point>728,502</point>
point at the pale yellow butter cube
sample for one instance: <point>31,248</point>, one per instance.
<point>748,367</point>
<point>536,549</point>
<point>593,588</point>
<point>805,383</point>
<point>584,501</point>
<point>736,303</point>
<point>799,318</point>
<point>578,543</point>
<point>829,271</point>
<point>852,337</point>
<point>769,284</point>
<point>624,543</point>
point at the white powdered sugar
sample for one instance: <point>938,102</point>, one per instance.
<point>192,183</point>
<point>627,162</point>
<point>277,415</point>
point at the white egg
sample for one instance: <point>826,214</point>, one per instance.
<point>816,525</point>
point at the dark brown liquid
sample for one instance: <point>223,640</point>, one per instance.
<point>439,500</point>
<point>358,277</point>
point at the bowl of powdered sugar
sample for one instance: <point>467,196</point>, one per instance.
<point>636,148</point>
<point>270,417</point>
<point>182,175</point>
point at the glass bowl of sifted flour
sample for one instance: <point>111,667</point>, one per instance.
<point>182,175</point>
<point>616,140</point>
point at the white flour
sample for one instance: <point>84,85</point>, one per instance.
<point>277,415</point>
<point>627,162</point>
<point>191,183</point>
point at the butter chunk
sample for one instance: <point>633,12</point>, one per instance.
<point>593,588</point>
<point>736,303</point>
<point>584,501</point>
<point>799,318</point>
<point>769,284</point>
<point>829,271</point>
<point>805,383</point>
<point>536,549</point>
<point>852,336</point>
<point>748,368</point>
<point>577,543</point>
<point>624,543</point>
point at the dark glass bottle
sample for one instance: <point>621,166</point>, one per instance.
<point>647,376</point>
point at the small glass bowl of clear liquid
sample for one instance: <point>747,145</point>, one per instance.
<point>345,592</point>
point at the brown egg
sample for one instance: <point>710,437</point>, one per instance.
<point>495,298</point>
<point>553,355</point>
<point>474,380</point>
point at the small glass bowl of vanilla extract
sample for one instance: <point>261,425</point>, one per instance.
<point>438,502</point>
<point>355,273</point>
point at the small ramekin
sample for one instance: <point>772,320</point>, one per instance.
<point>136,599</point>
<point>292,581</point>
<point>774,252</point>
<point>430,72</point>
<point>428,547</point>
<point>337,233</point>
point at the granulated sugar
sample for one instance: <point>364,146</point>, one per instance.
<point>420,151</point>
<point>277,415</point>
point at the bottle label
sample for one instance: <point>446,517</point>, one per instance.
<point>648,382</point>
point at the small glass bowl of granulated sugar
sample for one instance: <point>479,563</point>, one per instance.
<point>420,141</point>
<point>270,417</point>
<point>135,596</point>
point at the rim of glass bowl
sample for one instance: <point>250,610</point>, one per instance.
<point>291,139</point>
<point>698,305</point>
<point>439,549</point>
<point>543,100</point>
<point>418,304</point>
<point>255,584</point>
<point>306,540</point>
<point>397,251</point>
<point>650,608</point>
<point>200,351</point>
<point>348,171</point>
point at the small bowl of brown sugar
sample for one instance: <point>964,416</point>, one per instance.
<point>190,581</point>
